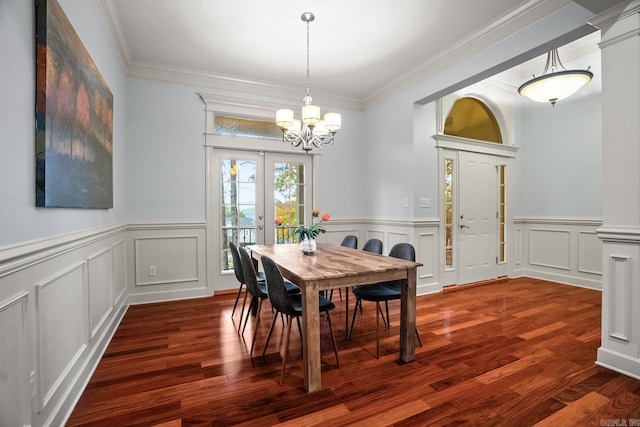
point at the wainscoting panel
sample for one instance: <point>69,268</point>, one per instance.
<point>60,328</point>
<point>53,294</point>
<point>620,297</point>
<point>15,402</point>
<point>565,250</point>
<point>589,252</point>
<point>119,251</point>
<point>174,259</point>
<point>550,248</point>
<point>100,274</point>
<point>427,249</point>
<point>394,237</point>
<point>167,261</point>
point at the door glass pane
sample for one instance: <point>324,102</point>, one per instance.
<point>289,200</point>
<point>448,213</point>
<point>238,206</point>
<point>245,127</point>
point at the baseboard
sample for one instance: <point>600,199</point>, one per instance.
<point>171,295</point>
<point>618,362</point>
<point>560,278</point>
<point>428,288</point>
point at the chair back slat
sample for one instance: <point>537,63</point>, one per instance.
<point>350,241</point>
<point>250,277</point>
<point>373,245</point>
<point>237,263</point>
<point>276,288</point>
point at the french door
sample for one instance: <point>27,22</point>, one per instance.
<point>259,198</point>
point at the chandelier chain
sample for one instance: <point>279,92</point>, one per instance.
<point>308,73</point>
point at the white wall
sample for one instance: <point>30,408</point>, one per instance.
<point>166,164</point>
<point>566,143</point>
<point>20,220</point>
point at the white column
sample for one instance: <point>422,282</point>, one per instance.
<point>620,232</point>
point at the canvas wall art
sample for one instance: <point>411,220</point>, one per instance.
<point>74,118</point>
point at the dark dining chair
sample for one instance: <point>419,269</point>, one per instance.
<point>258,290</point>
<point>373,245</point>
<point>290,306</point>
<point>349,241</point>
<point>238,270</point>
<point>384,291</point>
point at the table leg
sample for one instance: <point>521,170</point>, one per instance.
<point>408,317</point>
<point>311,341</point>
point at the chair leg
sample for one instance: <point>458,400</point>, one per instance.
<point>386,304</point>
<point>244,302</point>
<point>333,339</point>
<point>273,323</point>
<point>286,349</point>
<point>377,337</point>
<point>237,298</point>
<point>382,315</point>
<point>247,315</point>
<point>255,327</point>
<point>346,312</point>
<point>355,310</point>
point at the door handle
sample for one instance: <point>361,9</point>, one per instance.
<point>463,226</point>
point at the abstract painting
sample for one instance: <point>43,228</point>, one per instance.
<point>74,118</point>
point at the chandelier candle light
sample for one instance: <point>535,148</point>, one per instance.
<point>312,131</point>
<point>557,84</point>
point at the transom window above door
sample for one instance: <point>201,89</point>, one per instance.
<point>471,118</point>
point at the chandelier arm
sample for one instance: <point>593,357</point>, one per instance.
<point>311,131</point>
<point>557,59</point>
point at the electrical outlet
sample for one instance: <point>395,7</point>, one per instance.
<point>405,203</point>
<point>152,271</point>
<point>425,203</point>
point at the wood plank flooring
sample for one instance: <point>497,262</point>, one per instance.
<point>516,353</point>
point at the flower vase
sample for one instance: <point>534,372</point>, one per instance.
<point>308,246</point>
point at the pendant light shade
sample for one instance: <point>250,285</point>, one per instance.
<point>554,85</point>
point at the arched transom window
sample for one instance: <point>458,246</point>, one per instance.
<point>471,118</point>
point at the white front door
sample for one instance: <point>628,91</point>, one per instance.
<point>477,218</point>
<point>253,190</point>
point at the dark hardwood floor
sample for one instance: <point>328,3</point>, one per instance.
<point>516,353</point>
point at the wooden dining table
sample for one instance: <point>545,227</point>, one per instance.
<point>331,267</point>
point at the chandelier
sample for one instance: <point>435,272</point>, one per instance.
<point>557,84</point>
<point>311,131</point>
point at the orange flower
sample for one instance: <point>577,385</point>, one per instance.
<point>278,222</point>
<point>315,212</point>
<point>325,216</point>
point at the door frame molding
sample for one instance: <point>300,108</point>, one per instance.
<point>244,108</point>
<point>449,147</point>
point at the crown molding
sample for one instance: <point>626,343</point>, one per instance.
<point>617,13</point>
<point>116,31</point>
<point>226,83</point>
<point>526,14</point>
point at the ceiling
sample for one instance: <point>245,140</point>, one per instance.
<point>358,47</point>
